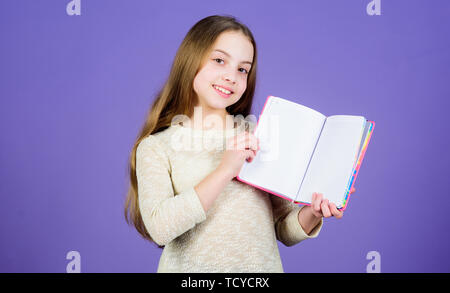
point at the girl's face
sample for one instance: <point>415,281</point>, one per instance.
<point>226,66</point>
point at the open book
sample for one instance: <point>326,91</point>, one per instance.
<point>302,151</point>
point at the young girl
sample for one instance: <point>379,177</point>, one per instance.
<point>184,196</point>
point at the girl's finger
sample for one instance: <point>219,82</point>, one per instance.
<point>316,204</point>
<point>336,213</point>
<point>249,155</point>
<point>314,195</point>
<point>325,209</point>
<point>238,138</point>
<point>249,141</point>
<point>242,136</point>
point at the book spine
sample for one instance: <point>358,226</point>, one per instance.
<point>266,104</point>
<point>310,159</point>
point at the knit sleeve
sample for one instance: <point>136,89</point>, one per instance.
<point>287,228</point>
<point>165,215</point>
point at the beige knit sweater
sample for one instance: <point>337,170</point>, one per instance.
<point>236,235</point>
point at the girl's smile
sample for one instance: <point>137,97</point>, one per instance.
<point>223,91</point>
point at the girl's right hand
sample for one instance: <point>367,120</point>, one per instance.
<point>243,146</point>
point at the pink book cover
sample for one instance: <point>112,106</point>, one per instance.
<point>351,181</point>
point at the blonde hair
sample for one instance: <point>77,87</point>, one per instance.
<point>178,97</point>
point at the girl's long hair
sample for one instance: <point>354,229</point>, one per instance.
<point>177,96</point>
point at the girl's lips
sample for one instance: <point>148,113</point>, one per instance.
<point>222,94</point>
<point>224,87</point>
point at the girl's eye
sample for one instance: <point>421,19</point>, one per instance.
<point>246,72</point>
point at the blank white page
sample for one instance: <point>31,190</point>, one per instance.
<point>332,162</point>
<point>287,133</point>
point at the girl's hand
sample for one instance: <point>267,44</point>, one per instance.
<point>243,146</point>
<point>323,208</point>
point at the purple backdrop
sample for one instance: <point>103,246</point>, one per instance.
<point>76,89</point>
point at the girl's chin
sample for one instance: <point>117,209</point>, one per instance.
<point>221,105</point>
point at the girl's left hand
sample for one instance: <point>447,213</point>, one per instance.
<point>323,208</point>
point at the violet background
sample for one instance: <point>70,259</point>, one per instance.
<point>75,90</point>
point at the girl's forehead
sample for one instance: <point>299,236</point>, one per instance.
<point>235,45</point>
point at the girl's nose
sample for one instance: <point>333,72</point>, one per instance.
<point>229,77</point>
